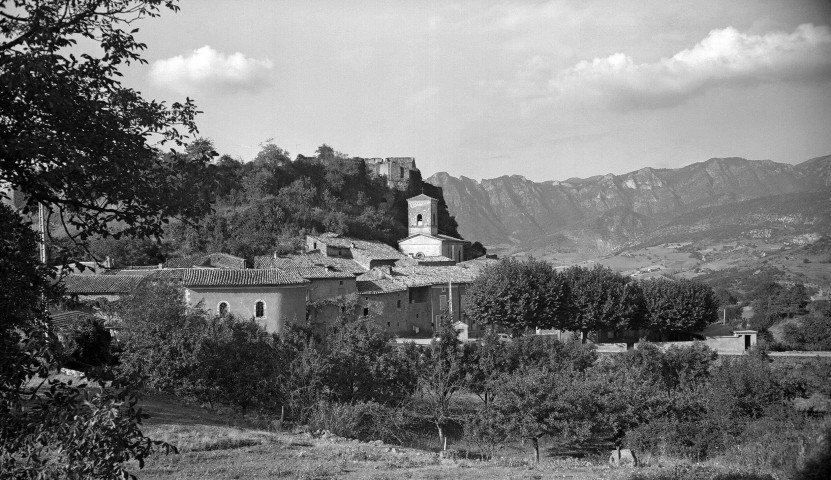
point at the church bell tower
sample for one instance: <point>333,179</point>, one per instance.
<point>423,215</point>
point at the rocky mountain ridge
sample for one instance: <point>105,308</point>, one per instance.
<point>602,213</point>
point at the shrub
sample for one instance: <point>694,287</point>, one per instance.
<point>361,420</point>
<point>88,344</point>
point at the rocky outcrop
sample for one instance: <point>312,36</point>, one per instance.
<point>615,209</point>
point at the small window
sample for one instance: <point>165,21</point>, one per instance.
<point>399,304</point>
<point>388,324</point>
<point>259,309</point>
<point>314,246</point>
<point>340,282</point>
<point>418,220</point>
<point>366,311</point>
<point>222,308</point>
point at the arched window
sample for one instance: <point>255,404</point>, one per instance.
<point>259,309</point>
<point>222,308</point>
<point>418,219</point>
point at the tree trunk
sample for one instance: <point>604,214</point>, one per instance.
<point>535,442</point>
<point>441,435</point>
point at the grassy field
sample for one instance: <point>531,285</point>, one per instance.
<point>224,446</point>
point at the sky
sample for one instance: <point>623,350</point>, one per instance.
<point>546,90</point>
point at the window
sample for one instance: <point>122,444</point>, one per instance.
<point>442,302</point>
<point>222,308</point>
<point>399,304</point>
<point>259,309</point>
<point>340,282</point>
<point>366,311</point>
<point>418,220</point>
<point>388,324</point>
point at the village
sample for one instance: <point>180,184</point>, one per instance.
<point>219,258</point>
<point>405,291</point>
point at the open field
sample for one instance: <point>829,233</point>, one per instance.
<point>225,446</point>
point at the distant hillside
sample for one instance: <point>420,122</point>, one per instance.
<point>600,214</point>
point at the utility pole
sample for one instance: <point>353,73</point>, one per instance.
<point>42,222</point>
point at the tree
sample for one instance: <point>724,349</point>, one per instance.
<point>365,367</point>
<point>603,299</point>
<point>161,337</point>
<point>74,138</point>
<point>533,403</point>
<point>682,305</point>
<point>52,429</point>
<point>442,375</point>
<point>520,296</point>
<point>88,344</point>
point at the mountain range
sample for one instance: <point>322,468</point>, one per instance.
<point>720,197</point>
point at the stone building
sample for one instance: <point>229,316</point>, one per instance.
<point>424,240</point>
<point>273,298</point>
<point>397,170</point>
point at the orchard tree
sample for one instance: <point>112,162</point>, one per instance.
<point>442,375</point>
<point>603,299</point>
<point>535,403</point>
<point>73,138</point>
<point>682,305</point>
<point>520,296</point>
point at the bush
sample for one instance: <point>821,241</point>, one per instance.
<point>88,345</point>
<point>365,421</point>
<point>818,467</point>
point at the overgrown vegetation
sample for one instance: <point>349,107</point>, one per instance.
<point>684,403</point>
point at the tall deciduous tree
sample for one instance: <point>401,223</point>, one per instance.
<point>682,305</point>
<point>520,295</point>
<point>603,299</point>
<point>74,138</point>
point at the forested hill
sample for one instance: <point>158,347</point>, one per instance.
<point>270,203</point>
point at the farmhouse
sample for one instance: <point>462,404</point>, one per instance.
<point>271,297</point>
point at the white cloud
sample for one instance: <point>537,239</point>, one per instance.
<point>725,57</point>
<point>421,97</point>
<point>206,68</point>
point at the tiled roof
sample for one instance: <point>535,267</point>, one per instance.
<point>215,260</point>
<point>383,285</point>
<point>309,260</point>
<point>478,264</point>
<point>64,321</point>
<point>372,250</point>
<point>316,272</point>
<point>142,272</point>
<point>198,277</point>
<point>421,197</point>
<point>224,260</point>
<point>101,284</point>
<point>433,275</point>
<point>334,240</point>
<point>439,236</point>
<point>185,262</point>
